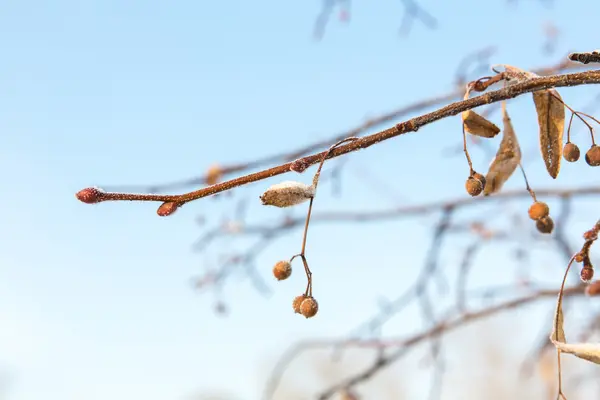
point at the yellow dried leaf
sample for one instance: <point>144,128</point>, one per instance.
<point>477,125</point>
<point>507,158</point>
<point>551,120</point>
<point>585,351</point>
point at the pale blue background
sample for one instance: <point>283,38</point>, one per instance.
<point>96,301</point>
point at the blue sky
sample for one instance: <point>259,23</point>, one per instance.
<point>96,302</point>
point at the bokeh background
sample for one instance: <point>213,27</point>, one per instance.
<point>100,301</point>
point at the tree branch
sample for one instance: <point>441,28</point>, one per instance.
<point>94,195</point>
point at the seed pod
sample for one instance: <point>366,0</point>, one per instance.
<point>282,270</point>
<point>571,152</point>
<point>474,186</point>
<point>309,307</point>
<point>592,157</point>
<point>297,302</point>
<point>538,210</point>
<point>477,125</point>
<point>481,179</point>
<point>90,195</point>
<point>587,274</point>
<point>545,225</point>
<point>287,194</point>
<point>593,289</point>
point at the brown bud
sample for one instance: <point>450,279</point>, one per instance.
<point>587,274</point>
<point>167,208</point>
<point>214,174</point>
<point>592,157</point>
<point>571,152</point>
<point>538,210</point>
<point>297,301</point>
<point>309,307</point>
<point>579,258</point>
<point>474,186</point>
<point>593,289</point>
<point>481,178</point>
<point>90,195</point>
<point>545,225</point>
<point>590,235</point>
<point>282,270</point>
<point>299,165</point>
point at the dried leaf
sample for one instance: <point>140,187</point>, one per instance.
<point>477,125</point>
<point>287,194</point>
<point>551,120</point>
<point>514,74</point>
<point>585,351</point>
<point>507,158</point>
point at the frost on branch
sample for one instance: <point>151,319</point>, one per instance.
<point>287,194</point>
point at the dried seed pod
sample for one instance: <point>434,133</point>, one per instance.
<point>90,195</point>
<point>538,210</point>
<point>586,274</point>
<point>592,157</point>
<point>571,152</point>
<point>474,186</point>
<point>593,289</point>
<point>551,120</point>
<point>480,178</point>
<point>297,302</point>
<point>167,208</point>
<point>282,270</point>
<point>477,125</point>
<point>287,194</point>
<point>545,225</point>
<point>309,307</point>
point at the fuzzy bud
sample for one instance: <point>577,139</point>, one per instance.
<point>299,165</point>
<point>474,186</point>
<point>167,208</point>
<point>545,225</point>
<point>297,302</point>
<point>282,270</point>
<point>309,307</point>
<point>587,274</point>
<point>593,289</point>
<point>592,157</point>
<point>571,152</point>
<point>538,210</point>
<point>287,194</point>
<point>90,195</point>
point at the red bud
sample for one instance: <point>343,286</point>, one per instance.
<point>90,195</point>
<point>167,208</point>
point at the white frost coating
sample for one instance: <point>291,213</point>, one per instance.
<point>287,194</point>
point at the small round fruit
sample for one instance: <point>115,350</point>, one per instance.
<point>592,157</point>
<point>297,302</point>
<point>481,178</point>
<point>538,210</point>
<point>545,225</point>
<point>309,307</point>
<point>282,270</point>
<point>474,186</point>
<point>587,274</point>
<point>571,152</point>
